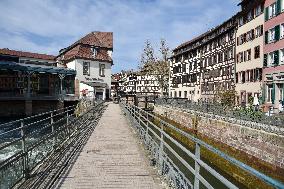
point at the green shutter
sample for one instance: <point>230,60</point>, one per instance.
<point>265,60</point>
<point>266,13</point>
<point>263,95</point>
<point>277,32</point>
<point>266,37</point>
<point>273,94</point>
<point>276,58</point>
<point>278,7</point>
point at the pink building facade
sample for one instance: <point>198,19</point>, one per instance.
<point>273,63</point>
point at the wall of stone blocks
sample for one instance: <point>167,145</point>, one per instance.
<point>263,145</point>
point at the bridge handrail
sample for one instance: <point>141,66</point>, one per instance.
<point>138,113</point>
<point>37,143</point>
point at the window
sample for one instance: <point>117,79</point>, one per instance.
<point>269,93</point>
<point>241,21</point>
<point>282,30</point>
<point>281,90</point>
<point>249,54</point>
<point>102,70</point>
<point>271,59</point>
<point>281,54</point>
<point>185,94</point>
<point>256,52</point>
<point>272,10</point>
<point>179,94</point>
<point>271,35</point>
<point>86,68</point>
<point>258,10</point>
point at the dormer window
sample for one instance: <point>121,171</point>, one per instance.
<point>95,51</point>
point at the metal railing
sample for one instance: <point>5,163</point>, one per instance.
<point>26,143</point>
<point>232,115</point>
<point>181,167</point>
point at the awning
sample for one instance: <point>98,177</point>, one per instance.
<point>14,66</point>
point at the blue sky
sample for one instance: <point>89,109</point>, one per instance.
<point>46,26</point>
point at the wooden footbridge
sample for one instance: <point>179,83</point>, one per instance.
<point>106,146</point>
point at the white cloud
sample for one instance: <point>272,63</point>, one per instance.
<point>59,23</point>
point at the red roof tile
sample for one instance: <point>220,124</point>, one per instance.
<point>6,51</point>
<point>83,48</point>
<point>100,39</point>
<point>85,52</point>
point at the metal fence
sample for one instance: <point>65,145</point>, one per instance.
<point>181,167</point>
<point>27,143</point>
<point>218,109</point>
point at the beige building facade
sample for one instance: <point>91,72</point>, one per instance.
<point>249,51</point>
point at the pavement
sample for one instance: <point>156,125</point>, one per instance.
<point>112,158</point>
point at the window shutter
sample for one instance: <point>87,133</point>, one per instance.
<point>273,94</point>
<point>277,32</point>
<point>266,13</point>
<point>276,58</point>
<point>266,37</point>
<point>265,60</point>
<point>278,7</point>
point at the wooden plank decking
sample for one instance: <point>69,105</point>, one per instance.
<point>112,158</point>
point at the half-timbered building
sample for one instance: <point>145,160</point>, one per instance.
<point>204,65</point>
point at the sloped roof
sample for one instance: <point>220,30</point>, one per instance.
<point>97,39</point>
<point>9,52</point>
<point>102,41</point>
<point>85,52</point>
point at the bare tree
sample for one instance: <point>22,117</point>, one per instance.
<point>156,66</point>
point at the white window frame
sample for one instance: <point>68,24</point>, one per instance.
<point>281,92</point>
<point>282,30</point>
<point>102,68</point>
<point>281,56</point>
<point>271,35</point>
<point>88,71</point>
<point>271,59</point>
<point>273,10</point>
<point>269,93</point>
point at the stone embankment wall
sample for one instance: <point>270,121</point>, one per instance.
<point>263,145</point>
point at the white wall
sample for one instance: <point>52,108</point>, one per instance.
<point>94,76</point>
<point>94,72</point>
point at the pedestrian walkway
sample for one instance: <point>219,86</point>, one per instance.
<point>112,158</point>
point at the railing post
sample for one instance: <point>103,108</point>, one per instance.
<point>67,118</point>
<point>161,144</point>
<point>24,152</point>
<point>197,166</point>
<point>52,130</point>
<point>147,124</point>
